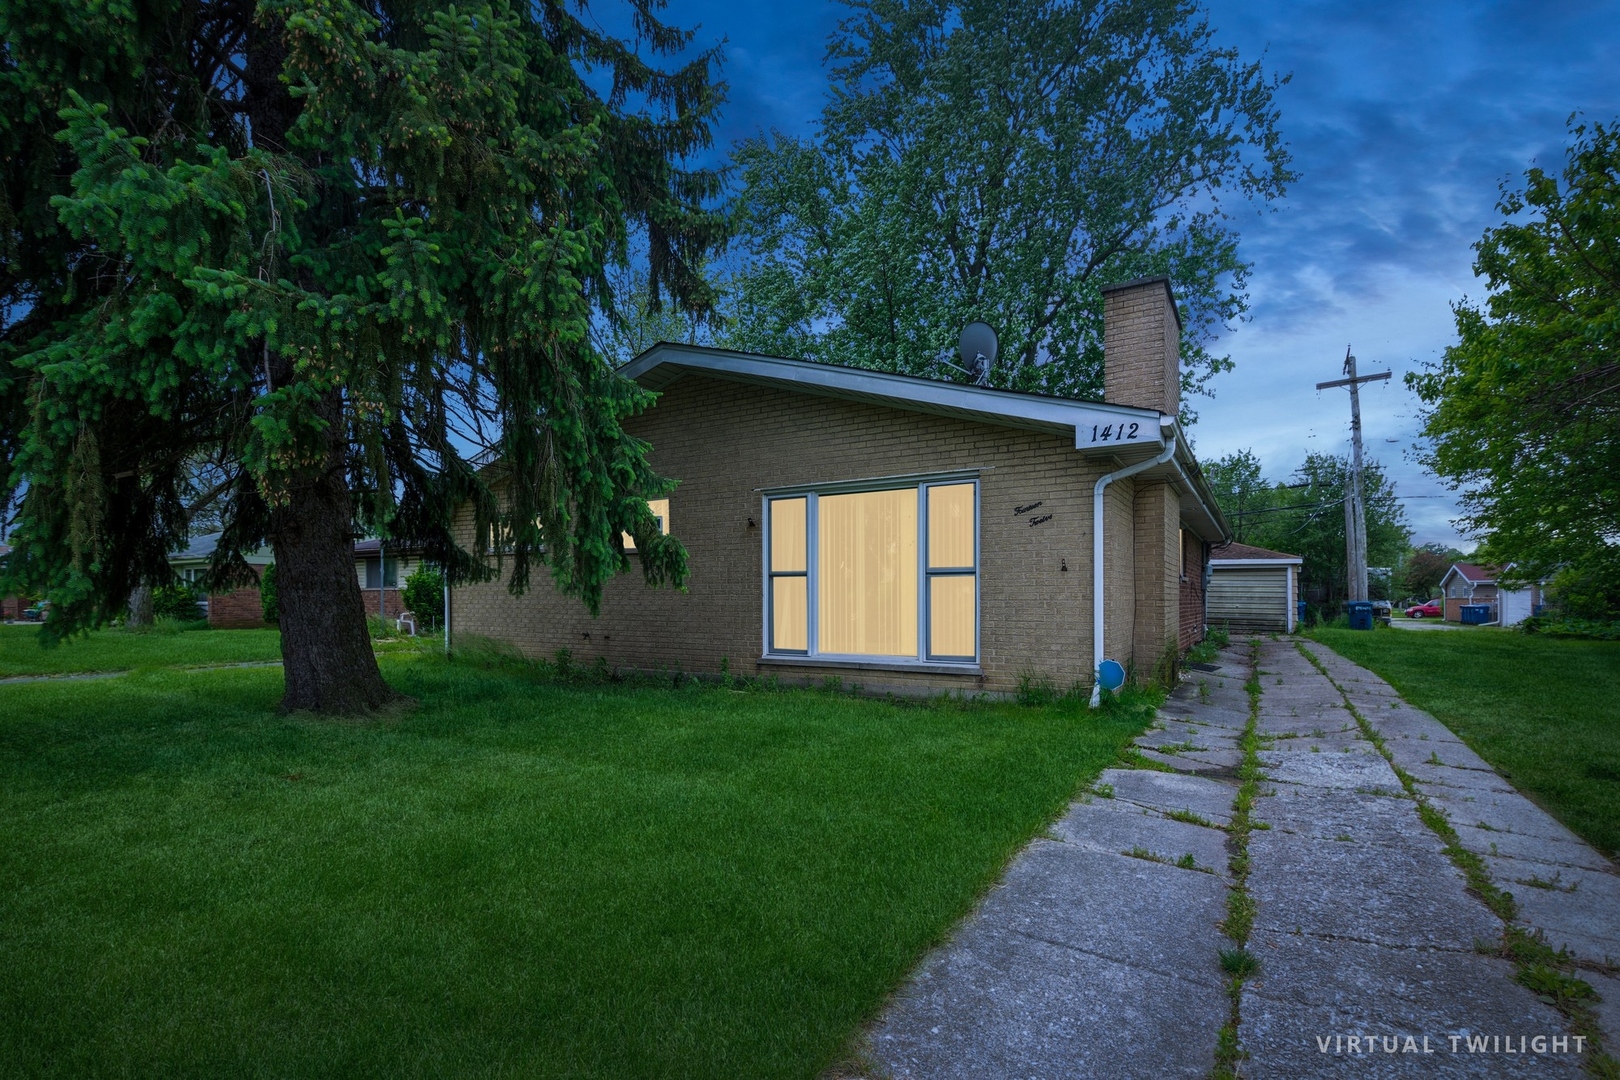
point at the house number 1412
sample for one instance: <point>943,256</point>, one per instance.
<point>1103,434</point>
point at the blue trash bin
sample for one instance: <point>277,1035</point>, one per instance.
<point>1301,614</point>
<point>1361,614</point>
<point>1475,614</point>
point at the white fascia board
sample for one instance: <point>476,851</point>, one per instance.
<point>1140,432</point>
<point>1256,562</point>
<point>1086,419</point>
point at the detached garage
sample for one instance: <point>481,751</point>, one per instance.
<point>1251,588</point>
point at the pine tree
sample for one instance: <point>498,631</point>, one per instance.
<point>339,247</point>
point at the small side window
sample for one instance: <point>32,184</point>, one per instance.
<point>660,509</point>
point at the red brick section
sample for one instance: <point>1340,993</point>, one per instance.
<point>239,609</point>
<point>389,606</point>
<point>1192,593</point>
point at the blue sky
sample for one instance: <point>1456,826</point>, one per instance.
<point>1403,120</point>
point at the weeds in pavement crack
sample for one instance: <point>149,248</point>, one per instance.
<point>1239,963</point>
<point>1548,973</point>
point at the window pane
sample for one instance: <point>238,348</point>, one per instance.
<point>868,566</point>
<point>950,525</point>
<point>787,535</point>
<point>950,615</point>
<point>660,510</point>
<point>790,613</point>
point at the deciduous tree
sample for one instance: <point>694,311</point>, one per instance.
<point>1523,413</point>
<point>1002,161</point>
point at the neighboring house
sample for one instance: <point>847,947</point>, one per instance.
<point>11,607</point>
<point>899,533</point>
<point>240,607</point>
<point>379,578</point>
<point>1470,583</point>
<point>1251,588</point>
<point>381,567</point>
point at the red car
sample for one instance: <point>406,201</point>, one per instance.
<point>1431,610</point>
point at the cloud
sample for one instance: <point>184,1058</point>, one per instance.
<point>1404,120</point>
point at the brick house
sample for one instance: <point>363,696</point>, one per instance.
<point>904,534</point>
<point>380,573</point>
<point>11,607</point>
<point>381,568</point>
<point>1471,583</point>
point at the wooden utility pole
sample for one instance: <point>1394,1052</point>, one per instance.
<point>1355,510</point>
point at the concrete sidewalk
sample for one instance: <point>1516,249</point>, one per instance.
<point>1099,953</point>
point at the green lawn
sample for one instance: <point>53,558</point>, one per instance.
<point>515,878</point>
<point>1544,711</point>
<point>117,650</point>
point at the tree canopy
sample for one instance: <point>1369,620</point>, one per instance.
<point>1305,516</point>
<point>1523,413</point>
<point>337,248</point>
<point>1002,162</point>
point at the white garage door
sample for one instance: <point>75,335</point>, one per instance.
<point>1249,599</point>
<point>1515,606</point>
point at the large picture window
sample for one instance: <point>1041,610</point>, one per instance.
<point>887,573</point>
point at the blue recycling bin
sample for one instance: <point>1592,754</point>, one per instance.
<point>1301,614</point>
<point>1361,614</point>
<point>1475,614</point>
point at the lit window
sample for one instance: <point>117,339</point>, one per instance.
<point>660,509</point>
<point>889,573</point>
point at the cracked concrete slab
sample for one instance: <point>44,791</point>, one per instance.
<point>1399,892</point>
<point>1310,993</point>
<point>1311,744</point>
<point>1221,763</point>
<point>1166,730</point>
<point>1503,811</point>
<point>1362,768</point>
<point>1608,1007</point>
<point>1081,964</point>
<point>1535,850</point>
<point>1171,793</point>
<point>1328,813</point>
<point>1581,920</point>
<point>1100,826</point>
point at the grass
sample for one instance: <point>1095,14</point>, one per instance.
<point>517,877</point>
<point>1544,712</point>
<point>118,650</point>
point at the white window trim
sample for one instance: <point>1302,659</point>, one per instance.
<point>810,655</point>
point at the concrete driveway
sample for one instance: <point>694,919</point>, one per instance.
<point>1100,952</point>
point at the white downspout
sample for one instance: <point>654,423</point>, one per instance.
<point>1097,555</point>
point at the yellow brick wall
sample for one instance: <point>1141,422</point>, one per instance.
<point>725,440</point>
<point>1142,347</point>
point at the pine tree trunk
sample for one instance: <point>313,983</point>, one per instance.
<point>325,646</point>
<point>140,607</point>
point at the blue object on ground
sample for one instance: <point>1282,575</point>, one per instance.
<point>1111,674</point>
<point>1301,613</point>
<point>1361,614</point>
<point>1475,614</point>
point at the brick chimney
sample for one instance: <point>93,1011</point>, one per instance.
<point>1142,345</point>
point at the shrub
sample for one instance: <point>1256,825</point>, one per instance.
<point>267,596</point>
<point>424,596</point>
<point>176,602</point>
<point>1571,628</point>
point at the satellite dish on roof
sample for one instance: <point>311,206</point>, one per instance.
<point>977,348</point>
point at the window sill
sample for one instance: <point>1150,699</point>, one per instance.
<point>930,667</point>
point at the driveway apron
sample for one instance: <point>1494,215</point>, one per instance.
<point>1099,953</point>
